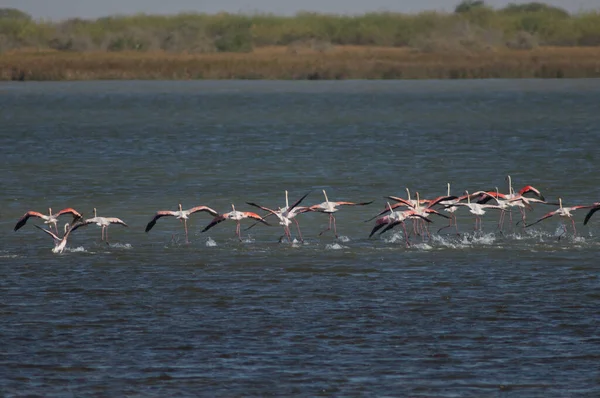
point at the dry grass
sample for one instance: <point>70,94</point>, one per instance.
<point>278,62</point>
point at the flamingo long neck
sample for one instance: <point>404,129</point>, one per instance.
<point>418,201</point>
<point>325,193</point>
<point>95,215</point>
<point>510,188</point>
<point>448,189</point>
<point>408,193</point>
<point>468,197</point>
<point>560,203</point>
<point>49,211</point>
<point>287,204</point>
<point>180,207</point>
<point>66,228</point>
<point>389,206</point>
<point>233,207</point>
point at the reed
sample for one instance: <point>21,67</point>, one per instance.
<point>282,62</point>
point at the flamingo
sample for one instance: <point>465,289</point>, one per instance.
<point>526,189</point>
<point>51,219</point>
<point>181,215</point>
<point>102,222</point>
<point>449,207</point>
<point>394,218</point>
<point>563,212</point>
<point>477,209</point>
<point>416,205</point>
<point>407,202</point>
<point>330,208</point>
<point>237,216</point>
<point>60,243</point>
<point>595,208</point>
<point>285,215</point>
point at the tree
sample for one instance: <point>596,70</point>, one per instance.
<point>13,13</point>
<point>468,5</point>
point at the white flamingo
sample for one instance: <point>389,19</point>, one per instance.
<point>236,216</point>
<point>60,243</point>
<point>181,215</point>
<point>477,209</point>
<point>285,215</point>
<point>330,208</point>
<point>102,222</point>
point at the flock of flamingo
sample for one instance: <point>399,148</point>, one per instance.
<point>418,210</point>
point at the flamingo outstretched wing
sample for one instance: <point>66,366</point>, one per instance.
<point>204,209</point>
<point>215,221</point>
<point>115,220</point>
<point>256,217</point>
<point>25,217</point>
<point>531,189</point>
<point>52,234</point>
<point>343,203</point>
<point>159,214</point>
<point>591,213</point>
<point>545,216</point>
<point>69,210</point>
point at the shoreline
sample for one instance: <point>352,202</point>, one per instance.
<point>286,63</point>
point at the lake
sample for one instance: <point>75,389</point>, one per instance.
<point>479,314</point>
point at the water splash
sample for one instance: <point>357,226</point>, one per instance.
<point>395,237</point>
<point>121,245</point>
<point>335,246</point>
<point>248,239</point>
<point>210,242</point>
<point>343,238</point>
<point>79,249</point>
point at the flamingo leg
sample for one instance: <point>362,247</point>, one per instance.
<point>329,227</point>
<point>186,231</point>
<point>455,223</point>
<point>237,230</point>
<point>106,234</point>
<point>405,234</point>
<point>447,226</point>
<point>574,229</point>
<point>298,227</point>
<point>334,227</point>
<point>427,230</point>
<point>522,216</point>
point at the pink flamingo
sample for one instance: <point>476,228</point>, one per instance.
<point>563,212</point>
<point>389,221</point>
<point>51,219</point>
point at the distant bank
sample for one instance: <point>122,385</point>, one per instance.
<point>303,63</point>
<point>475,41</point>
